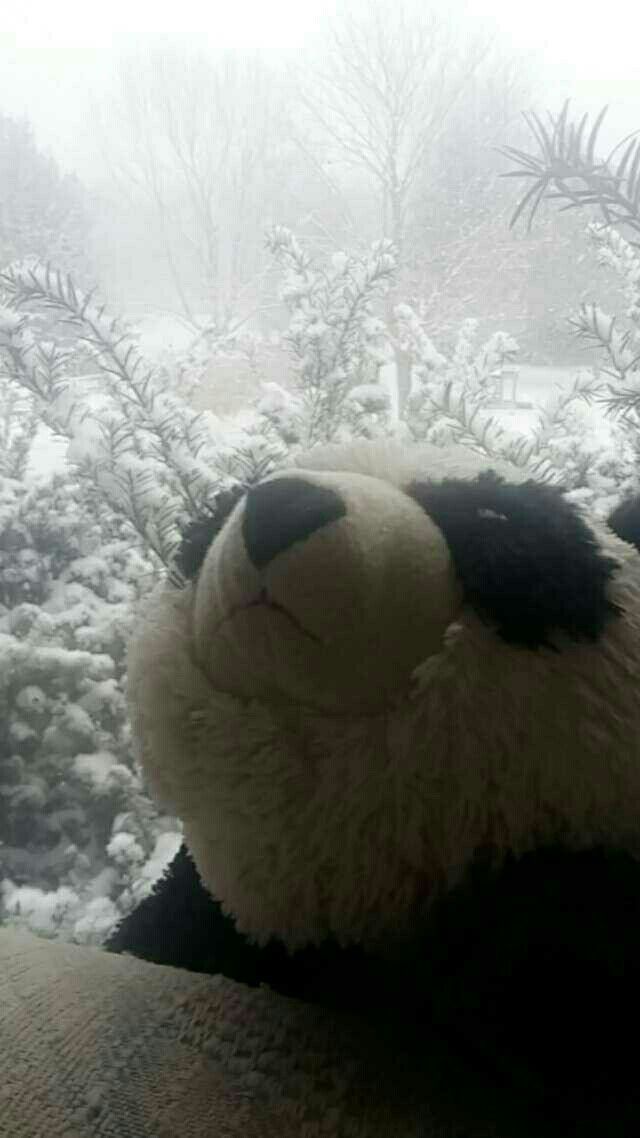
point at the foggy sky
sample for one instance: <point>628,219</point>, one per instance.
<point>56,59</point>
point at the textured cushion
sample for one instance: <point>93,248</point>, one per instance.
<point>98,1045</point>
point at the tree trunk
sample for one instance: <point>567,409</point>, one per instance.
<point>402,359</point>
<point>403,378</point>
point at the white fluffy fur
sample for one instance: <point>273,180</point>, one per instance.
<point>338,786</point>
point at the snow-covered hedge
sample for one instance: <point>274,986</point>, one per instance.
<point>77,832</point>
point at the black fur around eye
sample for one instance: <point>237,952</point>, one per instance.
<point>625,520</point>
<point>527,560</point>
<point>199,534</point>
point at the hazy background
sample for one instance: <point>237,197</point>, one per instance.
<point>55,59</point>
<point>81,77</point>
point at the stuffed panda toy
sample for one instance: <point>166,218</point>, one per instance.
<point>394,698</point>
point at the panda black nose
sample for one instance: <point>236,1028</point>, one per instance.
<point>283,511</point>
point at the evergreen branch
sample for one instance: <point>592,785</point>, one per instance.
<point>333,335</point>
<point>136,388</point>
<point>565,155</point>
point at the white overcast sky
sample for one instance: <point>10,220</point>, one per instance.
<point>54,51</point>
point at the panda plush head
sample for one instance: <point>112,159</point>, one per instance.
<point>394,702</point>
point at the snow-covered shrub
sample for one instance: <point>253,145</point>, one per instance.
<point>69,581</point>
<point>451,402</point>
<point>75,556</point>
<point>144,450</point>
<point>616,337</point>
<point>337,342</point>
<point>474,368</point>
<point>186,368</point>
<point>80,841</point>
<point>564,165</point>
<point>19,418</point>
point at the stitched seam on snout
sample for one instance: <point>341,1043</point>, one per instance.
<point>263,600</point>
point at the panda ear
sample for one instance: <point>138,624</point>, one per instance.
<point>199,534</point>
<point>526,559</point>
<point>625,520</point>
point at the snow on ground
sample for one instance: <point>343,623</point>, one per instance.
<point>537,385</point>
<point>162,332</point>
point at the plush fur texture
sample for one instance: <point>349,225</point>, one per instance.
<point>419,675</point>
<point>625,520</point>
<point>300,759</point>
<point>198,936</point>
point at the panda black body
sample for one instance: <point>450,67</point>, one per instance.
<point>519,927</point>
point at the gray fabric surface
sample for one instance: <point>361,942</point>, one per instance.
<point>94,1046</point>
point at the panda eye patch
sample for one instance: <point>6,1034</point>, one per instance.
<point>625,520</point>
<point>527,560</point>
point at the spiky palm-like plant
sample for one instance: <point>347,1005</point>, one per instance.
<point>564,166</point>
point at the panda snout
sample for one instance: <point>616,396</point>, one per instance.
<point>283,511</point>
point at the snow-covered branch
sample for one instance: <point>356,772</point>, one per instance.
<point>150,452</point>
<point>337,342</point>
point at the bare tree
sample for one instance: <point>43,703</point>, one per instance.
<point>383,93</point>
<point>43,213</point>
<point>381,99</point>
<point>200,140</point>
